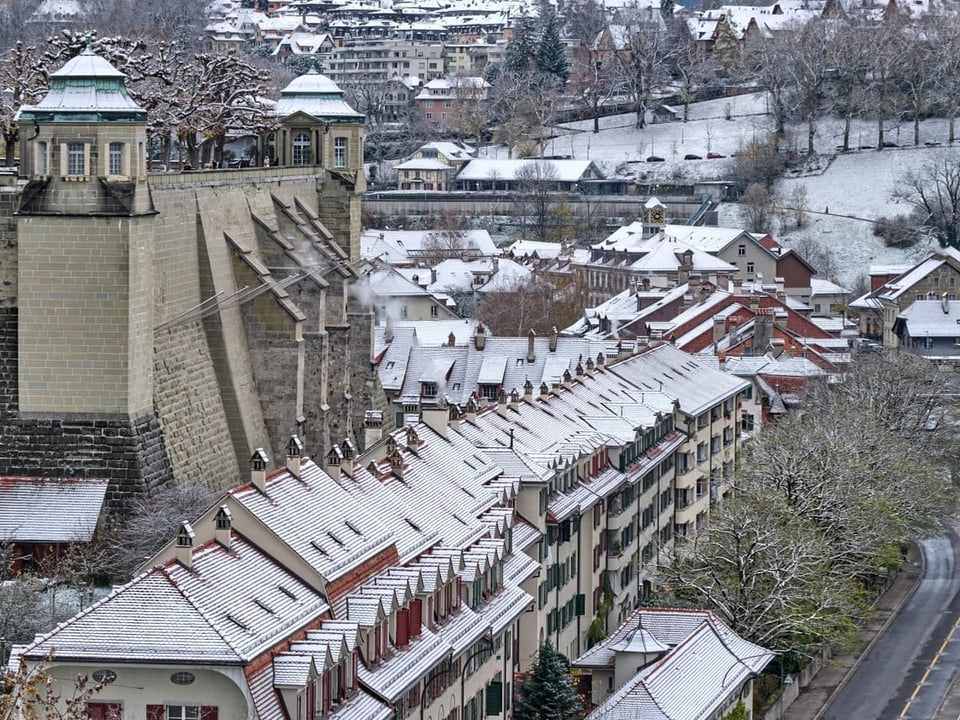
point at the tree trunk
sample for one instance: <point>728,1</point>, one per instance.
<point>638,123</point>
<point>916,128</point>
<point>811,131</point>
<point>846,132</point>
<point>953,117</point>
<point>10,150</point>
<point>596,120</point>
<point>880,132</point>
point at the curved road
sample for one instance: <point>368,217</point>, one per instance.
<point>909,673</point>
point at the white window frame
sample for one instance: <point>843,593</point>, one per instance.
<point>75,160</point>
<point>116,159</point>
<point>300,148</point>
<point>341,152</point>
<point>181,712</point>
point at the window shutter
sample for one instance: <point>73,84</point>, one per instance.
<point>63,173</point>
<point>155,712</point>
<point>494,697</point>
<point>403,627</point>
<point>86,160</point>
<point>415,618</point>
<point>105,158</point>
<point>581,604</point>
<point>208,712</point>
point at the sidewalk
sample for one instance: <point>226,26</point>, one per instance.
<point>815,697</point>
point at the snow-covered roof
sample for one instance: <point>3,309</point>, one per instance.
<point>932,318</point>
<point>487,169</point>
<point>45,510</point>
<point>89,88</point>
<point>315,95</point>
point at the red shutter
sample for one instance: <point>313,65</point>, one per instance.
<point>311,697</point>
<point>416,618</point>
<point>155,712</point>
<point>327,692</point>
<point>208,712</point>
<point>403,627</point>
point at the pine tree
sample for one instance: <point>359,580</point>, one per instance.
<point>548,693</point>
<point>521,48</point>
<point>551,58</point>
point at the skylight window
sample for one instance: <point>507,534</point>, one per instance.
<point>318,547</point>
<point>337,540</point>
<point>412,524</point>
<point>353,528</point>
<point>287,592</point>
<point>263,606</point>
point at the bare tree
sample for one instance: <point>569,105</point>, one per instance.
<point>848,77</point>
<point>934,194</point>
<point>808,53</point>
<point>756,208</point>
<point>35,693</point>
<point>767,573</point>
<point>532,304</point>
<point>153,521</point>
<point>888,54</point>
<point>22,82</point>
<point>537,199</point>
<point>920,70</point>
<point>643,66</point>
<point>593,78</point>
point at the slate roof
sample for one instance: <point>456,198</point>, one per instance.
<point>40,510</point>
<point>318,519</point>
<point>214,614</point>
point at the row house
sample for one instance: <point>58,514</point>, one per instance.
<point>370,588</point>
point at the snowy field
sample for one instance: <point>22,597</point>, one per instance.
<point>856,187</point>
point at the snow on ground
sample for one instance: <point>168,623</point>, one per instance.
<point>855,187</point>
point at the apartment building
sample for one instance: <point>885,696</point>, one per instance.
<point>380,60</point>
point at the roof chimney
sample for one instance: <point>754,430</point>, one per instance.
<point>453,417</point>
<point>580,369</point>
<point>372,428</point>
<point>258,470</point>
<point>601,360</point>
<point>294,455</point>
<point>436,418</point>
<point>451,340</point>
<point>413,439</point>
<point>719,327</point>
<point>527,390</point>
<point>738,287</point>
<point>479,337</point>
<point>388,330</point>
<point>501,402</point>
<point>945,303</point>
<point>589,366</point>
<point>544,391</point>
<point>514,400</point>
<point>184,547</point>
<point>332,462</point>
<point>531,353</point>
<point>553,338</point>
<point>396,464</point>
<point>781,284</point>
<point>567,378</point>
<point>221,526</point>
<point>471,409</point>
<point>348,452</point>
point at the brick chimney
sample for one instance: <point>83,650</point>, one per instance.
<point>221,526</point>
<point>471,409</point>
<point>719,327</point>
<point>738,287</point>
<point>531,352</point>
<point>479,337</point>
<point>553,338</point>
<point>527,390</point>
<point>294,455</point>
<point>451,340</point>
<point>544,391</point>
<point>258,470</point>
<point>515,400</point>
<point>413,439</point>
<point>453,417</point>
<point>184,545</point>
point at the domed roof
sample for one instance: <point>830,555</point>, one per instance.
<point>86,89</point>
<point>640,641</point>
<point>88,65</point>
<point>311,83</point>
<point>318,96</point>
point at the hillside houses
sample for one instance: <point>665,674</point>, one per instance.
<point>417,577</point>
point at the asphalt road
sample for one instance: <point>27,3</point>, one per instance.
<point>909,673</point>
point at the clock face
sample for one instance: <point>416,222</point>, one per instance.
<point>656,215</point>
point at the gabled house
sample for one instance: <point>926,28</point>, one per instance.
<point>433,166</point>
<point>510,175</point>
<point>395,296</point>
<point>633,672</point>
<point>930,328</point>
<point>929,279</point>
<point>442,100</point>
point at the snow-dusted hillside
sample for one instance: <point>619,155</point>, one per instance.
<point>855,187</point>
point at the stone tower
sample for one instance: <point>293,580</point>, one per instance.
<point>85,258</point>
<point>84,357</point>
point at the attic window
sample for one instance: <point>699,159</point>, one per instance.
<point>390,364</point>
<point>520,362</point>
<point>183,677</point>
<point>104,676</point>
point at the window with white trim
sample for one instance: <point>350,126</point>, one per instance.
<point>182,712</point>
<point>301,149</point>
<point>340,149</point>
<point>42,158</point>
<point>75,159</point>
<point>115,155</point>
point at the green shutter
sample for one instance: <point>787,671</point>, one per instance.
<point>581,604</point>
<point>494,698</point>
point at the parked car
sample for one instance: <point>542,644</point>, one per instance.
<point>654,158</point>
<point>715,156</point>
<point>692,156</point>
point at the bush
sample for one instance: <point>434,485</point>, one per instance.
<point>759,163</point>
<point>897,231</point>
